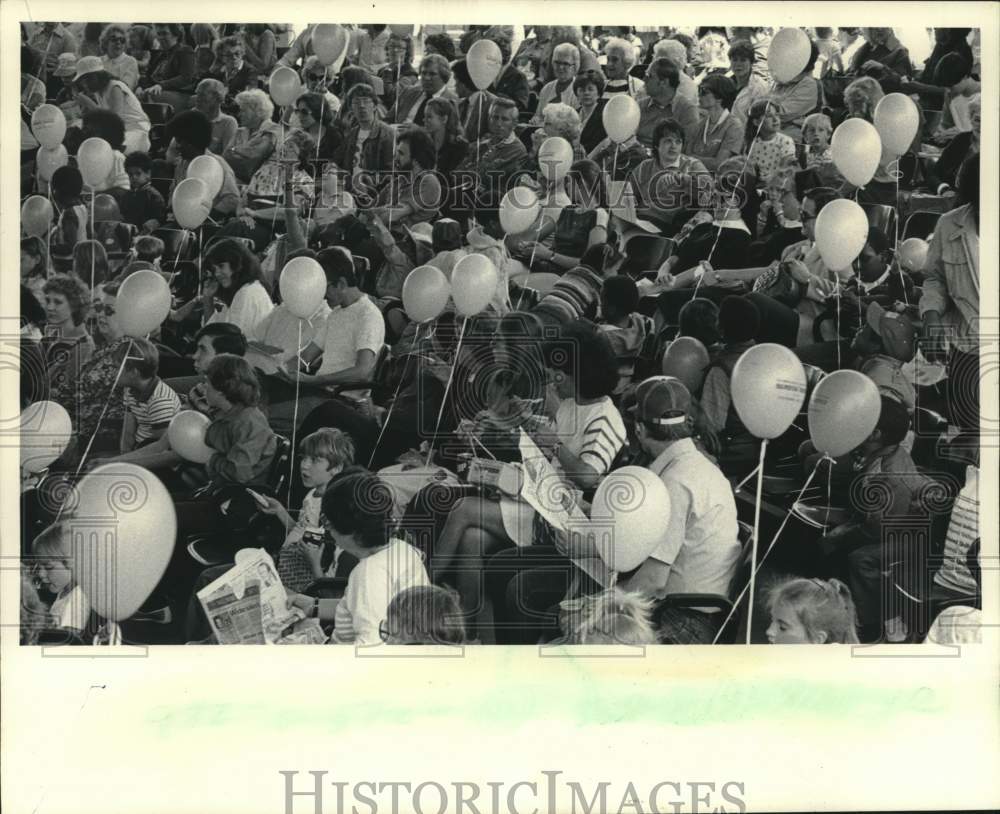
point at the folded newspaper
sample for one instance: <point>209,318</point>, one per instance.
<point>549,494</point>
<point>248,605</point>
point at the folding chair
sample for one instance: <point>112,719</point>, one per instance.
<point>644,253</point>
<point>920,224</point>
<point>881,216</point>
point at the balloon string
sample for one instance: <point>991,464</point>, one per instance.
<point>319,138</point>
<point>754,566</point>
<point>444,398</point>
<point>746,162</point>
<point>838,327</point>
<point>746,480</point>
<point>295,412</point>
<point>538,234</point>
<point>614,163</point>
<point>48,239</point>
<point>93,236</point>
<point>392,404</point>
<point>902,280</point>
<point>756,535</point>
<point>100,418</point>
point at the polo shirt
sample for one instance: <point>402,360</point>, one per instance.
<point>345,332</point>
<point>701,545</point>
<point>705,141</point>
<point>652,112</point>
<point>153,409</point>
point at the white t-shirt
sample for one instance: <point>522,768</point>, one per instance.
<point>346,331</point>
<point>71,610</point>
<point>373,584</point>
<point>249,306</point>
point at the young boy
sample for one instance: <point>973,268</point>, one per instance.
<point>885,343</point>
<point>143,205</point>
<point>55,572</point>
<point>150,404</point>
<point>72,216</point>
<point>149,249</point>
<point>625,329</point>
<point>323,455</point>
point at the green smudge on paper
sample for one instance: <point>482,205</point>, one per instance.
<point>588,704</point>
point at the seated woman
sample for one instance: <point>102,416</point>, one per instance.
<point>237,283</point>
<point>441,122</point>
<point>119,64</point>
<point>315,120</point>
<point>718,134</point>
<point>67,344</point>
<point>667,186</point>
<point>582,224</point>
<point>589,88</point>
<point>259,47</point>
<point>798,97</point>
<point>173,69</point>
<point>583,441</point>
<point>257,136</point>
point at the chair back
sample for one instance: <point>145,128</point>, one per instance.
<point>158,112</point>
<point>920,224</point>
<point>881,216</point>
<point>646,253</point>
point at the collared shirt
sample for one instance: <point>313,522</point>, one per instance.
<point>706,141</point>
<point>701,545</point>
<point>244,446</point>
<point>57,41</point>
<point>652,112</point>
<point>668,189</point>
<point>951,284</point>
<point>280,328</point>
<point>123,67</point>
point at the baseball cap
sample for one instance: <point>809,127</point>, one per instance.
<point>663,400</point>
<point>897,331</point>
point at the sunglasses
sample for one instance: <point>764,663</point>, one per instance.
<point>102,308</point>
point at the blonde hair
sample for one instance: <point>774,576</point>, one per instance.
<point>613,616</point>
<point>818,120</point>
<point>821,606</point>
<point>866,89</point>
<point>561,120</point>
<point>426,614</point>
<point>332,445</point>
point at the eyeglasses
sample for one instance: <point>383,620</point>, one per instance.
<point>671,140</point>
<point>116,39</point>
<point>556,63</point>
<point>102,308</point>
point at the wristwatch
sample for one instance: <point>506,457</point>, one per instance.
<point>315,609</point>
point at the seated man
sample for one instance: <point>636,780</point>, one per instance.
<point>491,162</point>
<point>349,343</point>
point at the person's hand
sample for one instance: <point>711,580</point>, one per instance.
<point>153,91</point>
<point>312,552</point>
<point>664,274</point>
<point>197,399</point>
<point>872,64</point>
<point>209,288</point>
<point>798,270</point>
<point>300,602</point>
<point>546,440</point>
<point>539,250</point>
<point>932,342</point>
<point>290,366</point>
<point>247,220</point>
<point>150,226</point>
<point>273,505</point>
<point>709,276</point>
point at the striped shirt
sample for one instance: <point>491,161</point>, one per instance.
<point>153,410</point>
<point>576,295</point>
<point>595,433</point>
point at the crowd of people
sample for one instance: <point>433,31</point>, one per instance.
<point>358,440</point>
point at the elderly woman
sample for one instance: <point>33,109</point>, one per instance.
<point>620,59</point>
<point>257,136</point>
<point>559,121</point>
<point>235,73</point>
<point>259,47</point>
<point>317,78</point>
<point>589,88</point>
<point>667,185</point>
<point>116,62</point>
<point>565,64</point>
<point>99,89</point>
<point>208,99</point>
<point>718,135</point>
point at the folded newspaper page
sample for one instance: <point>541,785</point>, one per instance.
<point>247,604</point>
<point>557,501</point>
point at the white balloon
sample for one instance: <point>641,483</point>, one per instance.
<point>186,435</point>
<point>123,525</point>
<point>629,515</point>
<point>303,286</point>
<point>788,54</point>
<point>621,117</point>
<point>209,170</point>
<point>768,387</point>
<point>519,209</point>
<point>473,284</point>
<point>841,233</point>
<point>555,157</point>
<point>484,61</point>
<point>856,148</point>
<point>45,430</point>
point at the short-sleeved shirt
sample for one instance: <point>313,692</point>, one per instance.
<point>152,410</point>
<point>250,305</point>
<point>373,584</point>
<point>595,433</point>
<point>768,156</point>
<point>346,331</point>
<point>705,141</point>
<point>701,545</point>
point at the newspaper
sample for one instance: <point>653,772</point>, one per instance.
<point>247,604</point>
<point>265,358</point>
<point>549,494</point>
